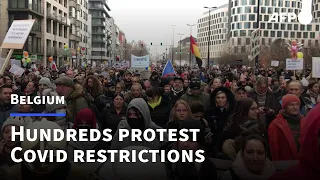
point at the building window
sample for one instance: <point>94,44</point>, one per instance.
<point>302,27</point>
<point>312,35</point>
<point>247,10</point>
<point>252,17</point>
<point>273,34</point>
<point>247,25</point>
<point>243,33</point>
<point>298,34</point>
<point>295,27</point>
<point>279,34</point>
<point>262,25</point>
<point>252,2</point>
<point>283,27</point>
<point>263,10</point>
<point>269,26</point>
<point>292,34</point>
<point>266,33</point>
<point>276,26</point>
<point>243,17</point>
<point>305,35</point>
<point>289,26</point>
<point>286,33</point>
<point>244,2</point>
<point>309,27</point>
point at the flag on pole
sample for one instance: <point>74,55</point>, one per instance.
<point>196,52</point>
<point>168,69</point>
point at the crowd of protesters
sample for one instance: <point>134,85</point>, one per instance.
<point>251,119</point>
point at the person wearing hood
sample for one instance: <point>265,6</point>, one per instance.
<point>85,119</point>
<point>73,94</point>
<point>194,94</point>
<point>251,162</point>
<point>44,84</point>
<point>132,170</point>
<point>308,166</point>
<point>223,103</point>
<point>138,117</point>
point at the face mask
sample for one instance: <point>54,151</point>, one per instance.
<point>136,123</point>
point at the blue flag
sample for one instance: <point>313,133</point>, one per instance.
<point>168,69</point>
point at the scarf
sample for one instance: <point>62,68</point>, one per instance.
<point>176,93</point>
<point>313,96</point>
<point>241,170</point>
<point>155,104</point>
<point>292,119</point>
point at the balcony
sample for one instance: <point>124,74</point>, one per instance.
<point>73,20</point>
<point>73,3</point>
<point>74,38</point>
<point>63,20</point>
<point>109,42</point>
<point>99,33</point>
<point>78,23</point>
<point>52,15</point>
<point>78,7</point>
<point>101,24</point>
<point>99,16</point>
<point>109,35</point>
<point>32,8</point>
<point>99,40</point>
<point>36,29</point>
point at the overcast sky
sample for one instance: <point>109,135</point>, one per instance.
<point>151,20</point>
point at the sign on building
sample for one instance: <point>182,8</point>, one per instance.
<point>255,44</point>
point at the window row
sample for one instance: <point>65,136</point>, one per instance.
<point>279,3</point>
<point>263,10</point>
<point>279,34</point>
<point>213,16</point>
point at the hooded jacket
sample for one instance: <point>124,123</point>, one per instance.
<point>308,166</point>
<point>202,97</point>
<point>143,108</point>
<point>216,117</point>
<point>76,102</point>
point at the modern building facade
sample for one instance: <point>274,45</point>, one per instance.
<point>243,21</point>
<point>101,31</point>
<point>115,45</point>
<point>219,32</point>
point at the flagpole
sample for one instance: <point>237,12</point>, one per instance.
<point>190,57</point>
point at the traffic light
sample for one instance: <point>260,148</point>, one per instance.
<point>176,52</point>
<point>151,44</point>
<point>160,44</point>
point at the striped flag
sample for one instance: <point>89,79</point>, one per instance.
<point>196,52</point>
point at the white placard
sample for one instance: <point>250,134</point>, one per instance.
<point>294,64</point>
<point>16,70</point>
<point>140,61</point>
<point>316,67</point>
<point>17,34</point>
<point>16,62</point>
<point>275,63</point>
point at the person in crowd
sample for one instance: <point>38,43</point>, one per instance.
<point>127,80</point>
<point>5,103</point>
<point>180,112</point>
<point>240,93</point>
<point>251,162</point>
<point>314,92</point>
<point>132,170</point>
<point>192,170</point>
<point>222,105</point>
<point>70,73</point>
<point>25,108</point>
<point>85,119</point>
<point>94,92</point>
<point>31,89</point>
<point>159,106</point>
<point>284,131</point>
<point>167,90</point>
<point>45,83</point>
<point>194,94</point>
<point>308,166</point>
<point>112,76</point>
<point>215,83</point>
<point>198,111</point>
<point>120,88</point>
<point>136,92</point>
<point>137,117</point>
<point>147,85</point>
<point>186,83</point>
<point>6,143</point>
<point>295,87</point>
<point>73,94</point>
<point>177,89</point>
<point>8,80</point>
<point>2,80</point>
<point>111,116</point>
<point>245,117</point>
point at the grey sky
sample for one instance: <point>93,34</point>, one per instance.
<point>151,20</point>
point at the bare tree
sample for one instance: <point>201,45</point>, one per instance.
<point>308,53</point>
<point>135,48</point>
<point>232,54</point>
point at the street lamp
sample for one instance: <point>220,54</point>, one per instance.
<point>190,57</point>
<point>209,33</point>
<point>258,22</point>
<point>172,42</point>
<point>180,50</point>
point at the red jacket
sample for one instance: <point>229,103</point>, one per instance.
<point>281,141</point>
<point>308,167</point>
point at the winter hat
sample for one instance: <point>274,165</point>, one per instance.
<point>47,82</point>
<point>289,98</point>
<point>195,83</point>
<point>85,115</point>
<point>65,81</point>
<point>11,121</point>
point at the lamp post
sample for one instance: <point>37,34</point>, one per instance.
<point>172,42</point>
<point>209,32</point>
<point>258,22</point>
<point>180,50</point>
<point>190,57</point>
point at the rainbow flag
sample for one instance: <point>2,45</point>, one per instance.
<point>196,52</point>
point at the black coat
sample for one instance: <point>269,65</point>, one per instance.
<point>160,114</point>
<point>110,119</point>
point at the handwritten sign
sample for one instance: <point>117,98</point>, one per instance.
<point>17,34</point>
<point>16,70</point>
<point>140,61</point>
<point>275,63</point>
<point>294,64</point>
<point>145,75</point>
<point>316,67</point>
